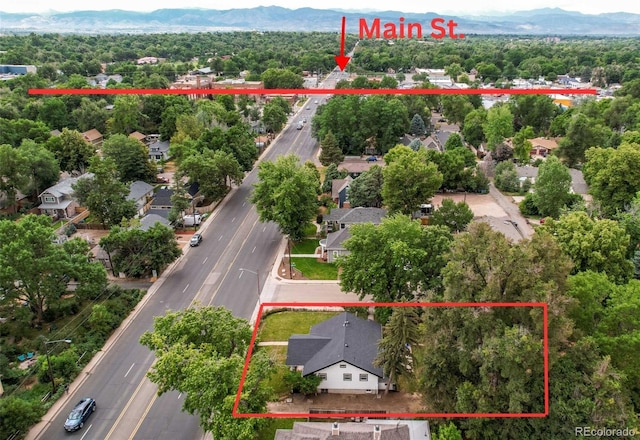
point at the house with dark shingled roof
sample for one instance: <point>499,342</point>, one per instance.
<point>340,350</point>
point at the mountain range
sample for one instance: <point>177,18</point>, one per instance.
<point>547,21</point>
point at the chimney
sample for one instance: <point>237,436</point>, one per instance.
<point>376,432</point>
<point>335,429</point>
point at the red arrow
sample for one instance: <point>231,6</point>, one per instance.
<point>341,59</point>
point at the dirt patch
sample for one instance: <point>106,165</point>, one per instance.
<point>392,403</point>
<point>480,204</point>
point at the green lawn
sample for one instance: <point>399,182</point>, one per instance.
<point>279,326</point>
<point>306,246</point>
<point>310,230</point>
<point>315,270</point>
<point>269,431</point>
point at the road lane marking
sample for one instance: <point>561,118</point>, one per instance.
<point>179,395</point>
<point>144,416</point>
<point>220,238</point>
<point>205,260</point>
<point>241,272</point>
<point>126,408</point>
<point>254,249</point>
<point>264,229</point>
<point>233,220</point>
<point>86,431</point>
<point>129,370</point>
<point>234,259</point>
<point>185,288</point>
<point>244,203</point>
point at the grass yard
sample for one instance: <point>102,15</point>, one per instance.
<point>310,230</point>
<point>279,326</point>
<point>306,246</point>
<point>315,270</point>
<point>269,431</point>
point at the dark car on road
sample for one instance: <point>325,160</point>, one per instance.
<point>195,240</point>
<point>80,414</point>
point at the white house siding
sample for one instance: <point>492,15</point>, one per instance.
<point>335,383</point>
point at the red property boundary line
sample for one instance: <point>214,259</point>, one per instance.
<point>545,321</point>
<point>232,91</point>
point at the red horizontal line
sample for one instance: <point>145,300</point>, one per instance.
<point>235,91</point>
<point>388,415</point>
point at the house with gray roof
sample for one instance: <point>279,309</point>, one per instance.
<point>371,429</point>
<point>578,184</point>
<point>340,218</point>
<point>141,193</point>
<point>159,150</point>
<point>58,201</point>
<point>150,220</point>
<point>341,351</point>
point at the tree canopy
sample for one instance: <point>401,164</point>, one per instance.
<point>201,352</point>
<point>286,193</point>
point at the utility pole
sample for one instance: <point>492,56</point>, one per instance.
<point>53,380</point>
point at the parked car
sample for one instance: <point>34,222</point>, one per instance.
<point>372,159</point>
<point>195,240</point>
<point>80,414</point>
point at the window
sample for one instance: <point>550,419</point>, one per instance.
<point>49,199</point>
<point>343,365</point>
<point>322,376</point>
<point>346,377</point>
<point>364,377</point>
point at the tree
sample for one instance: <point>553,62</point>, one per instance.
<point>53,112</point>
<point>138,253</point>
<point>522,145</point>
<point>330,174</point>
<point>409,180</point>
<point>330,152</point>
<point>398,260</point>
<point>40,165</point>
<point>395,349</point>
<point>597,245</point>
<point>72,151</point>
<point>453,141</point>
<point>13,173</point>
<point>583,133</point>
<point>499,125</point>
<point>200,352</point>
<point>35,271</point>
<point>286,193</point>
<point>613,176</point>
<point>281,79</point>
<point>456,108</point>
<point>18,414</point>
<point>215,172</point>
<point>455,216</point>
<point>131,158</point>
<point>273,117</point>
<point>103,194</point>
<point>366,189</point>
<point>506,177</point>
<point>552,187</point>
<point>472,127</point>
<point>126,116</point>
<point>448,432</point>
<point>417,127</point>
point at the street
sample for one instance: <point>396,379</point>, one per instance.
<point>233,238</point>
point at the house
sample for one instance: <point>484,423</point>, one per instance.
<point>150,220</point>
<point>58,201</point>
<point>332,246</point>
<point>94,137</point>
<point>340,191</point>
<point>369,429</point>
<point>355,167</point>
<point>159,150</point>
<point>141,193</point>
<point>6,207</point>
<point>161,202</point>
<point>578,184</point>
<point>139,136</point>
<point>340,218</point>
<point>542,146</point>
<point>341,351</point>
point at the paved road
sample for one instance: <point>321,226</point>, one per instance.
<point>128,407</point>
<point>519,222</point>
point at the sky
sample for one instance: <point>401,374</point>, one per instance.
<point>459,7</point>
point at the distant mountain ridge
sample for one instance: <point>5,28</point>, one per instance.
<point>547,21</point>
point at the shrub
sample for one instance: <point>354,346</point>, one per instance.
<point>528,206</point>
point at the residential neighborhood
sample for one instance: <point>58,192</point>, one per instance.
<point>466,211</point>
